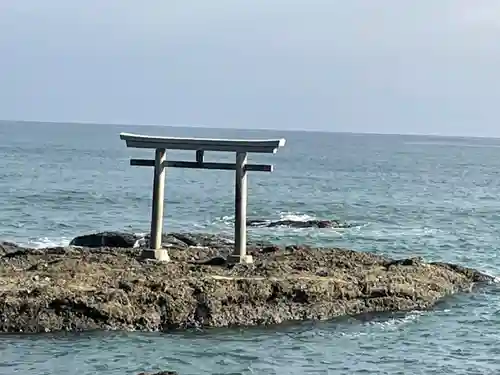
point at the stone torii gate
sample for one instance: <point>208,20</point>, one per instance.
<point>239,146</point>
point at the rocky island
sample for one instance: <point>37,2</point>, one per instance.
<point>100,282</point>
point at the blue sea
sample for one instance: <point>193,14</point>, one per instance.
<point>405,196</point>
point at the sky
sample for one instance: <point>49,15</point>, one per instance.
<point>377,66</point>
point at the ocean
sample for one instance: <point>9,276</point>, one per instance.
<point>405,196</point>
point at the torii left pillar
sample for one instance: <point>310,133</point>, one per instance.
<point>155,238</point>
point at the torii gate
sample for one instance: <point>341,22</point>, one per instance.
<point>239,146</point>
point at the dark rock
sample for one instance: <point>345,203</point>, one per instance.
<point>470,273</point>
<point>405,262</point>
<point>215,261</point>
<point>172,239</point>
<point>296,248</point>
<point>127,240</point>
<point>322,272</point>
<point>8,247</point>
<point>127,286</point>
<point>186,239</point>
<point>270,249</point>
<point>105,239</point>
<point>297,223</point>
<point>159,373</point>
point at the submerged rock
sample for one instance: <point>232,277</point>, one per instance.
<point>80,288</point>
<point>297,223</point>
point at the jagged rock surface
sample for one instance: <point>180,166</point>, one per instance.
<point>79,288</point>
<point>7,247</point>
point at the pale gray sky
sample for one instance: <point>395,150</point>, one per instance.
<point>397,66</point>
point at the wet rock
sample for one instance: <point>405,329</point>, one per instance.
<point>292,248</point>
<point>159,373</point>
<point>270,249</point>
<point>8,247</point>
<point>186,239</point>
<point>81,288</point>
<point>105,239</point>
<point>215,261</point>
<point>173,239</point>
<point>297,223</point>
<point>127,240</point>
<point>405,262</point>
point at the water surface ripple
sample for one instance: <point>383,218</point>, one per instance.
<point>406,196</point>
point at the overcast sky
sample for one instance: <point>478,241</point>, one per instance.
<point>395,66</point>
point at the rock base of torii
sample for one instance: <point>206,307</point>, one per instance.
<point>106,288</point>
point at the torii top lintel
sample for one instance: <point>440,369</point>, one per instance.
<point>269,146</point>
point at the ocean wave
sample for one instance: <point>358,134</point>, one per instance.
<point>294,216</point>
<point>283,215</point>
<point>61,196</point>
<point>396,323</point>
<point>45,242</point>
<point>375,232</point>
<point>372,324</point>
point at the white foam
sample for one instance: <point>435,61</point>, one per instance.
<point>226,223</point>
<point>395,233</point>
<point>45,242</point>
<point>141,240</point>
<point>397,323</point>
<point>285,215</point>
<point>390,325</point>
<point>295,216</point>
<point>227,219</point>
<point>496,279</point>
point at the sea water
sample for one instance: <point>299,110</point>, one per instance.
<point>404,196</point>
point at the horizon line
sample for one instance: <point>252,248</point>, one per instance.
<point>199,126</point>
